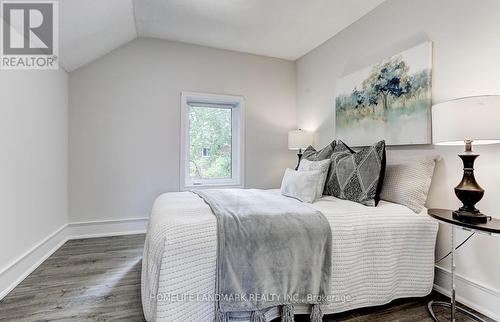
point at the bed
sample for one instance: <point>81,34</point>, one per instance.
<point>378,254</point>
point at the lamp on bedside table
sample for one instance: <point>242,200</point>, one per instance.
<point>465,121</point>
<point>298,140</point>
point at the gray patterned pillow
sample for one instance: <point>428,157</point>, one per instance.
<point>312,155</point>
<point>357,176</point>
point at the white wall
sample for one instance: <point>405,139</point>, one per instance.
<point>466,62</point>
<point>33,161</point>
<point>125,116</point>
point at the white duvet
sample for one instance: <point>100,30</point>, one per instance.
<point>379,254</point>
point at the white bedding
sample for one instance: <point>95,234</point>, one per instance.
<point>379,254</point>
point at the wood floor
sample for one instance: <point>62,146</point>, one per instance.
<point>99,280</point>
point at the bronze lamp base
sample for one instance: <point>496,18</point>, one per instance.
<point>299,155</point>
<point>470,217</point>
<point>468,190</point>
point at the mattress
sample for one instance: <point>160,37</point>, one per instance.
<point>379,254</point>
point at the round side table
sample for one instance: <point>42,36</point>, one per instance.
<point>490,228</point>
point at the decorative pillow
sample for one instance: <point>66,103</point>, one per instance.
<point>357,176</point>
<point>300,185</point>
<point>312,155</point>
<point>407,182</point>
<point>323,166</point>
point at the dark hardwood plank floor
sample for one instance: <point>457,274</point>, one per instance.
<point>95,279</point>
<point>99,279</point>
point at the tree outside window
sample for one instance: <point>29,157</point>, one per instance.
<point>210,142</point>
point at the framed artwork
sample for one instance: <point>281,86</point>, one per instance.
<point>390,101</point>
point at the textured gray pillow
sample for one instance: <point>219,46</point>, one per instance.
<point>407,181</point>
<point>323,166</point>
<point>357,175</point>
<point>312,155</point>
<point>300,185</point>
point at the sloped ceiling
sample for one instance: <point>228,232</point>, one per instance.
<point>284,29</point>
<point>89,29</point>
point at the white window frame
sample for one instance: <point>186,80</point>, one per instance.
<point>237,105</point>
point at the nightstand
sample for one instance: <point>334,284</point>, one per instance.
<point>445,216</point>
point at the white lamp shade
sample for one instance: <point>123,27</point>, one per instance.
<point>474,118</point>
<point>299,139</point>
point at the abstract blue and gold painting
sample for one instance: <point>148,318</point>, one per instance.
<point>390,101</point>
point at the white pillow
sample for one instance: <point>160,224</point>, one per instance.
<point>301,185</point>
<point>323,166</point>
<point>407,181</point>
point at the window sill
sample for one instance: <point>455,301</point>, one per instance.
<point>212,186</point>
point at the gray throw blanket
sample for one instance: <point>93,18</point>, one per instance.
<point>272,251</point>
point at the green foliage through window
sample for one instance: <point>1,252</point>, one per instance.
<point>210,142</point>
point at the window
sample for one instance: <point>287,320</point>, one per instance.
<point>211,140</point>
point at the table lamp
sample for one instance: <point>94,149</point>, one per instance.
<point>298,140</point>
<point>466,121</point>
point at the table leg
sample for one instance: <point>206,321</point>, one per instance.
<point>453,303</point>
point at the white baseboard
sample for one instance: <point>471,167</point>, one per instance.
<point>15,272</point>
<point>475,295</point>
<point>92,229</point>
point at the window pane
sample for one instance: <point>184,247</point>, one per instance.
<point>210,143</point>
